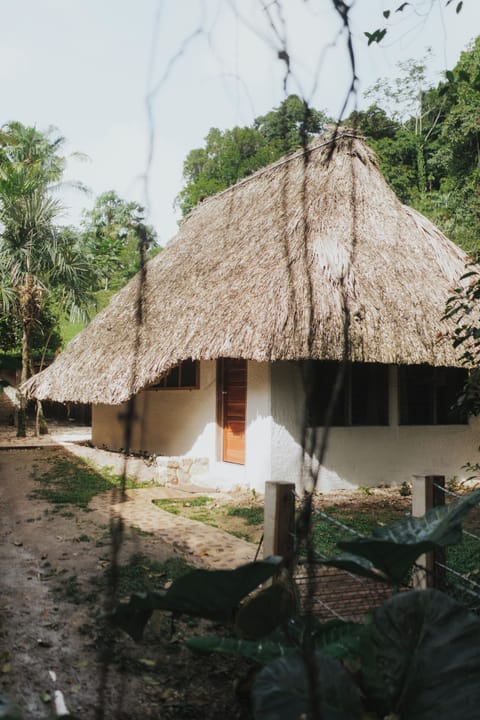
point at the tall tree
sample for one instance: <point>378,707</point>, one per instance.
<point>35,259</point>
<point>110,233</point>
<point>230,155</point>
<point>428,142</point>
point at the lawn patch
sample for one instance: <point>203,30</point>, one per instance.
<point>72,482</point>
<point>243,521</point>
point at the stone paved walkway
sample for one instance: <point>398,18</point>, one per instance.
<point>202,545</point>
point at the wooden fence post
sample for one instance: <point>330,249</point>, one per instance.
<point>426,494</point>
<point>279,519</point>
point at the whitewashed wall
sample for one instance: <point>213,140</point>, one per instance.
<point>170,421</point>
<point>183,422</point>
<point>366,456</point>
<point>174,422</point>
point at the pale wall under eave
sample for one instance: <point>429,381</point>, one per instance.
<point>365,456</point>
<point>183,422</point>
<point>169,421</point>
<point>173,422</point>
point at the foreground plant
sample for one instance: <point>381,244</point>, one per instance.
<point>414,658</point>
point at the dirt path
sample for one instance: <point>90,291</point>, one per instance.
<point>49,560</point>
<point>46,626</point>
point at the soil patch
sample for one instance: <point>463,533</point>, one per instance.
<point>53,560</point>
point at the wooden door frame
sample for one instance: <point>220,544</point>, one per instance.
<point>220,402</point>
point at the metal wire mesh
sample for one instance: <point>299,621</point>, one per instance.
<point>340,594</point>
<point>459,574</point>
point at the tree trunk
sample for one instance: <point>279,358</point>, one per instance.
<point>22,411</point>
<point>41,427</point>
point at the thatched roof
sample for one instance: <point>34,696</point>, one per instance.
<point>261,271</point>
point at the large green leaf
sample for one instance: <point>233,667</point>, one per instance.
<point>337,639</point>
<point>394,549</point>
<point>261,651</point>
<point>265,611</point>
<point>421,658</point>
<point>211,594</point>
<point>281,692</point>
<point>357,565</point>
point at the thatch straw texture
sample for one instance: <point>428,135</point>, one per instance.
<point>263,271</point>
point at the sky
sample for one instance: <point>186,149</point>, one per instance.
<point>134,85</point>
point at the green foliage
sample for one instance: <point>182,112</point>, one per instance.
<point>112,233</point>
<point>281,690</point>
<point>393,550</point>
<point>268,609</point>
<point>211,594</point>
<point>416,657</point>
<point>337,639</point>
<point>420,658</point>
<point>40,267</point>
<point>73,482</point>
<point>232,154</point>
<point>427,141</point>
<point>45,334</point>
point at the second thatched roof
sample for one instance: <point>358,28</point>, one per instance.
<point>264,271</point>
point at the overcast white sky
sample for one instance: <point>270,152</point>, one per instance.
<point>87,66</point>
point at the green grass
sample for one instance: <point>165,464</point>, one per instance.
<point>327,535</point>
<point>141,573</point>
<point>207,510</point>
<point>178,507</point>
<point>73,482</point>
<point>68,330</point>
<point>465,558</point>
<point>252,514</point>
<point>137,575</point>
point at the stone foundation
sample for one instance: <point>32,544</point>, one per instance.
<point>180,470</point>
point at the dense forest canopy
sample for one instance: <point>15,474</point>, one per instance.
<point>426,138</point>
<point>230,155</point>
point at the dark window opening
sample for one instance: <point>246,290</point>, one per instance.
<point>185,375</point>
<point>362,398</point>
<point>428,395</point>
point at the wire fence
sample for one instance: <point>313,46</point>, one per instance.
<point>343,595</point>
<point>459,573</point>
<point>339,594</point>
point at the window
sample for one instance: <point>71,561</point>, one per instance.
<point>427,395</point>
<point>362,400</point>
<point>185,375</point>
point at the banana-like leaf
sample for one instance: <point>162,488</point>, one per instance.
<point>211,594</point>
<point>394,549</point>
<point>337,639</point>
<point>265,611</point>
<point>356,565</point>
<point>421,658</point>
<point>281,692</point>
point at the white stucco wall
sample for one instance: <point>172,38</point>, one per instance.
<point>258,438</point>
<point>184,422</point>
<point>365,456</point>
<point>169,421</point>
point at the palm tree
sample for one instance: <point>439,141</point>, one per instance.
<point>38,262</point>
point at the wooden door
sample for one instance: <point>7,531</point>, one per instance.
<point>233,405</point>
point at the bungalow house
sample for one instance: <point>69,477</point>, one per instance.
<point>246,316</point>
